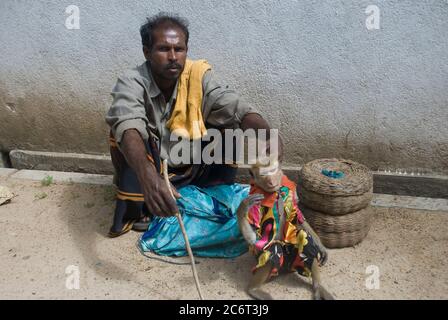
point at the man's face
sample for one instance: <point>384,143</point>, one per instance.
<point>168,53</point>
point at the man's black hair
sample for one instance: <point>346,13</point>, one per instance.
<point>163,18</point>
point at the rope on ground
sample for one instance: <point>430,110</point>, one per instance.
<point>158,258</point>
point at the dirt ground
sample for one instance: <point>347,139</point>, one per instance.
<point>46,229</point>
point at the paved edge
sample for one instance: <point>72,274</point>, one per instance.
<point>379,200</point>
<point>397,183</point>
<point>6,172</point>
<point>426,186</point>
<point>57,161</point>
<point>409,202</point>
<point>64,177</point>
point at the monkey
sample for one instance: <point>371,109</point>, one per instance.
<point>277,233</point>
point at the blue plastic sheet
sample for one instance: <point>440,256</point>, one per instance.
<point>209,216</point>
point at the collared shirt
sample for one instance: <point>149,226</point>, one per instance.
<point>139,104</point>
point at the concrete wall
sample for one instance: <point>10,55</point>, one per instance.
<point>333,87</point>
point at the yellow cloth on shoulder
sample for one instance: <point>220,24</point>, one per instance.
<point>186,119</point>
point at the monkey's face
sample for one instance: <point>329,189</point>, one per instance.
<point>267,178</point>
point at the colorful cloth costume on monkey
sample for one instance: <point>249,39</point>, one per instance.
<point>295,249</point>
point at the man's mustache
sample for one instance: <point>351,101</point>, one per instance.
<point>173,66</point>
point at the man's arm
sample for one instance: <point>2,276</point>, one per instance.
<point>127,119</point>
<point>256,121</point>
<point>128,108</point>
<point>224,108</point>
<point>154,188</point>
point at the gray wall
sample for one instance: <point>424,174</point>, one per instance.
<point>331,86</point>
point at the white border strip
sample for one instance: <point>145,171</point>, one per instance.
<point>419,203</point>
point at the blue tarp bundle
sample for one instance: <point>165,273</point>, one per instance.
<point>209,215</point>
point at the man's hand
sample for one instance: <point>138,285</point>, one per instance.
<point>157,196</point>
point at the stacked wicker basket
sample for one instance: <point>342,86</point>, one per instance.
<point>335,197</point>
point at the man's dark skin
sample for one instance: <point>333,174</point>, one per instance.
<point>167,57</point>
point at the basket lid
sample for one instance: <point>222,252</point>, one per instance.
<point>336,177</point>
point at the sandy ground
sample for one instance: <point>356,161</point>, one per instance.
<point>46,229</point>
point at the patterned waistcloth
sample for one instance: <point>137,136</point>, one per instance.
<point>130,200</point>
<point>208,207</point>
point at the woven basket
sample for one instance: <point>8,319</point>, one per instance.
<point>338,224</point>
<point>339,231</point>
<point>334,205</point>
<point>357,178</point>
<point>342,240</point>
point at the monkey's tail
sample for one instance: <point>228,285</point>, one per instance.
<point>325,294</point>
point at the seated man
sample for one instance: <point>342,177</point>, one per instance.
<point>165,93</point>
